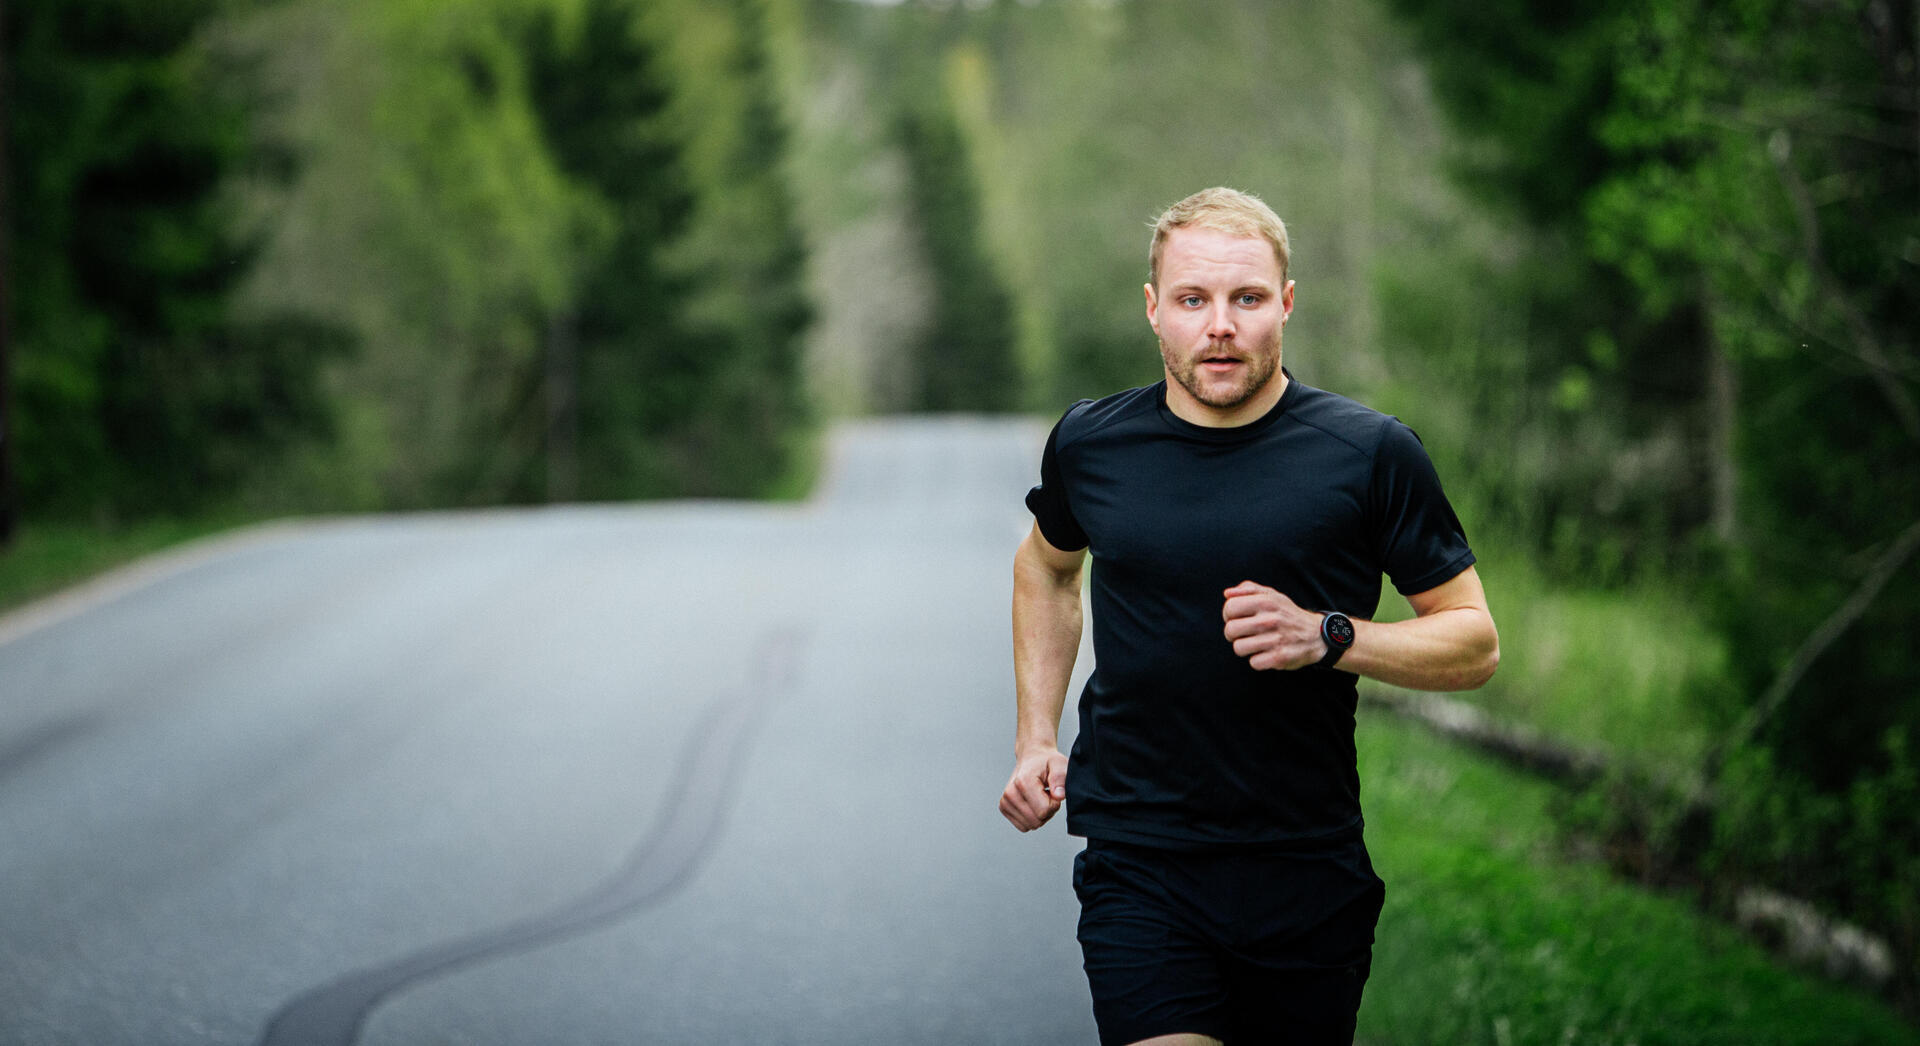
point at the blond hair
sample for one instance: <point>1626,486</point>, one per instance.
<point>1222,210</point>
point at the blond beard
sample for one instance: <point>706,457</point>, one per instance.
<point>1261,367</point>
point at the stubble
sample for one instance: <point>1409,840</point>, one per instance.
<point>1260,368</point>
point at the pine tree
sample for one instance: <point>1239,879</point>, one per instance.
<point>621,366</point>
<point>965,360</point>
<point>681,354</point>
<point>136,387</point>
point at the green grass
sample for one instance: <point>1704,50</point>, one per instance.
<point>46,557</point>
<point>1613,667</point>
<point>1491,934</point>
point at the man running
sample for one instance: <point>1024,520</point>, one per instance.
<point>1240,522</point>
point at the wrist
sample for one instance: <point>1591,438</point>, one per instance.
<point>1027,747</point>
<point>1337,635</point>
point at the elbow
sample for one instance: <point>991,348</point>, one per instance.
<point>1474,660</point>
<point>1485,663</point>
<point>1483,670</point>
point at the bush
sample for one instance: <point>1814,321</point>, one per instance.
<point>1855,853</point>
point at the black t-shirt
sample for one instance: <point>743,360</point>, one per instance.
<point>1182,745</point>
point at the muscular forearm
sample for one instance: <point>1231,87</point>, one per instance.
<point>1046,638</point>
<point>1452,649</point>
<point>1449,644</point>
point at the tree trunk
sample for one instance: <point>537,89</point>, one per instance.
<point>9,499</point>
<point>563,409</point>
<point>1723,470</point>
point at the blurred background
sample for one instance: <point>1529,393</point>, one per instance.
<point>1644,275</point>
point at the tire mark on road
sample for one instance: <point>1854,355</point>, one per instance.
<point>685,831</point>
<point>17,751</point>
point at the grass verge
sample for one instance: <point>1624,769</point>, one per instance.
<point>1616,667</point>
<point>46,557</point>
<point>1492,935</point>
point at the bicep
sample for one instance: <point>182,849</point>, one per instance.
<point>1462,591</point>
<point>1038,553</point>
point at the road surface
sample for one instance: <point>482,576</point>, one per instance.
<point>697,772</point>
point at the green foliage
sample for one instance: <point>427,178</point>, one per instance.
<point>1740,231</point>
<point>138,385</point>
<point>1610,668</point>
<point>1597,437</point>
<point>560,229</point>
<point>1786,213</point>
<point>445,231</point>
<point>1858,848</point>
<point>49,555</point>
<point>1854,849</point>
<point>1082,121</point>
<point>965,359</point>
<point>1491,934</point>
<point>621,366</point>
<point>1563,443</point>
<point>749,307</point>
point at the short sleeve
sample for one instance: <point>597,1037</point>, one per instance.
<point>1417,536</point>
<point>1048,500</point>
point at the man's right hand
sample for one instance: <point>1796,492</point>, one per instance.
<point>1036,790</point>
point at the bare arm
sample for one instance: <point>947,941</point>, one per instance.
<point>1046,637</point>
<point>1450,643</point>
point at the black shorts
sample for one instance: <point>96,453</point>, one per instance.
<point>1264,948</point>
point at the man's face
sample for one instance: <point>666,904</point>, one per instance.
<point>1219,311</point>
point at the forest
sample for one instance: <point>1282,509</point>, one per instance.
<point>1644,275</point>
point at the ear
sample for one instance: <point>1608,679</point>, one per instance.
<point>1286,303</point>
<point>1153,308</point>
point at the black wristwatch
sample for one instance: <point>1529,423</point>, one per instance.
<point>1336,630</point>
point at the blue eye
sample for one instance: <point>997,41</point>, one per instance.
<point>1249,300</point>
<point>1190,300</point>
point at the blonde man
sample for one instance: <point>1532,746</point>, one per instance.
<point>1240,522</point>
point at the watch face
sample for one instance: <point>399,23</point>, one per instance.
<point>1339,630</point>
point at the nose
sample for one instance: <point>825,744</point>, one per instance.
<point>1220,323</point>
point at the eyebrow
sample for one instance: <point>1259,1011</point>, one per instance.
<point>1184,288</point>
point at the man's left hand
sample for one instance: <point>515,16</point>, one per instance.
<point>1270,630</point>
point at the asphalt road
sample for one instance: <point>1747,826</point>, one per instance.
<point>673,773</point>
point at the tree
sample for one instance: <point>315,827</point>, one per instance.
<point>137,385</point>
<point>1620,371</point>
<point>1742,215</point>
<point>741,410</point>
<point>965,357</point>
<point>622,367</point>
<point>9,503</point>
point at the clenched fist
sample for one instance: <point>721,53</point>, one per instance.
<point>1270,630</point>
